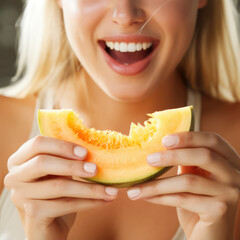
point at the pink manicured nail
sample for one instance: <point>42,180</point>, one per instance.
<point>80,151</point>
<point>133,193</point>
<point>154,158</point>
<point>111,191</point>
<point>90,167</point>
<point>170,141</point>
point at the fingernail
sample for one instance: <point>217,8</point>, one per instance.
<point>154,158</point>
<point>133,193</point>
<point>111,191</point>
<point>90,167</point>
<point>170,140</point>
<point>80,151</point>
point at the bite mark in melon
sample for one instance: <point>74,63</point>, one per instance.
<point>121,159</point>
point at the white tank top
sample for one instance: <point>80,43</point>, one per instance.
<point>10,223</point>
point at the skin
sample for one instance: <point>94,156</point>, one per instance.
<point>48,205</point>
<point>176,20</point>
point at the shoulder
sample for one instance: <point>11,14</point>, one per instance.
<point>15,111</point>
<point>16,116</point>
<point>223,118</point>
<point>6,102</point>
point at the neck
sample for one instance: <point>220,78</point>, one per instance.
<point>102,112</point>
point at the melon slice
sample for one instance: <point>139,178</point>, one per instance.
<point>121,159</point>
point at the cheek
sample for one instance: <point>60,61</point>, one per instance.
<point>179,18</point>
<point>176,22</point>
<point>81,16</point>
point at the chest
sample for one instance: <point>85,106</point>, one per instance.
<point>124,219</point>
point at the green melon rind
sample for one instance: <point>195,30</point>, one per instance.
<point>192,126</point>
<point>134,182</point>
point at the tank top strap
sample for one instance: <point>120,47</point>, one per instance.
<point>179,235</point>
<point>194,98</point>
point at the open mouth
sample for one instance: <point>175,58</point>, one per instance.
<point>128,55</point>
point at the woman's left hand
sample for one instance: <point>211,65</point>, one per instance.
<point>206,196</point>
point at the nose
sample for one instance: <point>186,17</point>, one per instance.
<point>128,12</point>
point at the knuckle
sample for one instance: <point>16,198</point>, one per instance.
<point>171,156</point>
<point>65,147</point>
<point>36,142</point>
<point>71,204</point>
<point>15,197</point>
<point>10,162</point>
<point>59,185</point>
<point>39,162</point>
<point>221,208</point>
<point>154,189</point>
<point>8,181</point>
<point>189,182</point>
<point>181,199</point>
<point>98,191</point>
<point>93,188</point>
<point>30,208</point>
<point>234,194</point>
<point>75,168</point>
<point>68,201</point>
<point>207,156</point>
<point>189,139</point>
<point>213,139</point>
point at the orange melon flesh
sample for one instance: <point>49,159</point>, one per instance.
<point>121,159</point>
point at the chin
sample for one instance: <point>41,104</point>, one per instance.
<point>127,96</point>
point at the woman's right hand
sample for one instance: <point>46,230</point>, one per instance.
<point>43,190</point>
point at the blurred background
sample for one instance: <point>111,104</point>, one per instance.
<point>10,11</point>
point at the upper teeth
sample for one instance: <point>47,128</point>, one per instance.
<point>128,47</point>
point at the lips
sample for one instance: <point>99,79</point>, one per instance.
<point>128,55</point>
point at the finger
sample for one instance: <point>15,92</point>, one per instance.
<point>180,184</point>
<point>201,157</point>
<point>208,208</point>
<point>63,187</point>
<point>204,140</point>
<point>45,209</point>
<point>43,165</point>
<point>46,145</point>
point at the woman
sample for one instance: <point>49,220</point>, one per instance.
<point>108,59</point>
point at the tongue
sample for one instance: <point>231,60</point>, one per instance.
<point>129,57</point>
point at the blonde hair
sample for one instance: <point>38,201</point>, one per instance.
<point>45,58</point>
<point>210,65</point>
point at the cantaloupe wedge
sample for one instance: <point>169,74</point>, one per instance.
<point>121,159</point>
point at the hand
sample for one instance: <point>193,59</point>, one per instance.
<point>43,190</point>
<point>207,204</point>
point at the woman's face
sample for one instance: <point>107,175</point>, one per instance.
<point>129,47</point>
